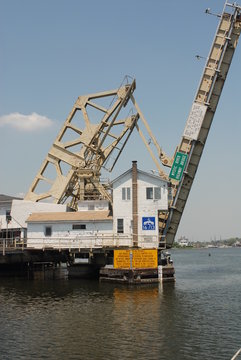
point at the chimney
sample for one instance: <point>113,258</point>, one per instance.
<point>134,203</point>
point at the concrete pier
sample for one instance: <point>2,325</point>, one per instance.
<point>137,276</point>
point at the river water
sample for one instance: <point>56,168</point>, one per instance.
<point>198,317</point>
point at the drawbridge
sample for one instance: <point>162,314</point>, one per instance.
<point>98,128</point>
<point>89,142</point>
<point>199,121</point>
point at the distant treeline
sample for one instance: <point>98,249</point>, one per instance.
<point>218,243</point>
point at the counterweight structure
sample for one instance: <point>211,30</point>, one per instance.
<point>88,142</point>
<point>71,170</point>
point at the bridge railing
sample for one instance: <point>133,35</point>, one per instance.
<point>100,240</point>
<point>79,242</point>
<point>12,243</point>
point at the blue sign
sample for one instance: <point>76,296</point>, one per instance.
<point>148,223</point>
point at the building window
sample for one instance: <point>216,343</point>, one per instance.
<point>8,216</point>
<point>157,193</point>
<point>126,193</point>
<point>149,193</point>
<point>48,231</point>
<point>153,193</point>
<point>120,226</point>
<point>79,227</point>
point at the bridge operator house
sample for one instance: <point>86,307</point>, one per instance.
<point>138,197</point>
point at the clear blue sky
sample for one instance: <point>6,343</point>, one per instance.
<point>54,51</point>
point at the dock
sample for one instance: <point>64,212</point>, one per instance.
<point>127,266</point>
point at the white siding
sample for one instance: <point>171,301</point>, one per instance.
<point>122,209</point>
<point>63,235</point>
<point>63,229</point>
<point>147,208</point>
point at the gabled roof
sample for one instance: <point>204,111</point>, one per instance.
<point>70,216</point>
<point>139,172</point>
<point>8,198</point>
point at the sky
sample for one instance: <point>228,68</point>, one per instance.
<point>51,52</point>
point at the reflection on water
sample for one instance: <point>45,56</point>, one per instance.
<point>50,317</point>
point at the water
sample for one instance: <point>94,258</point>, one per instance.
<point>197,318</point>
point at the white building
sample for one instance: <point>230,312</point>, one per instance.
<point>93,226</point>
<point>81,229</point>
<point>183,241</point>
<point>8,227</point>
<point>152,197</point>
<point>93,205</point>
<point>14,212</point>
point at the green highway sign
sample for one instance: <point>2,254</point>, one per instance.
<point>178,166</point>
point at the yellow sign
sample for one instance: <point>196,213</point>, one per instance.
<point>143,259</point>
<point>122,259</point>
<point>136,259</point>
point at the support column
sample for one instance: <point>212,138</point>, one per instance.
<point>134,203</point>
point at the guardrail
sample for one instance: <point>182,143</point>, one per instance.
<point>80,242</point>
<point>12,244</point>
<point>100,240</point>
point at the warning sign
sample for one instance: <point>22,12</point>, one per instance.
<point>194,121</point>
<point>144,259</point>
<point>136,259</point>
<point>122,259</point>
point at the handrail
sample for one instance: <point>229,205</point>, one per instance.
<point>81,241</point>
<point>236,354</point>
